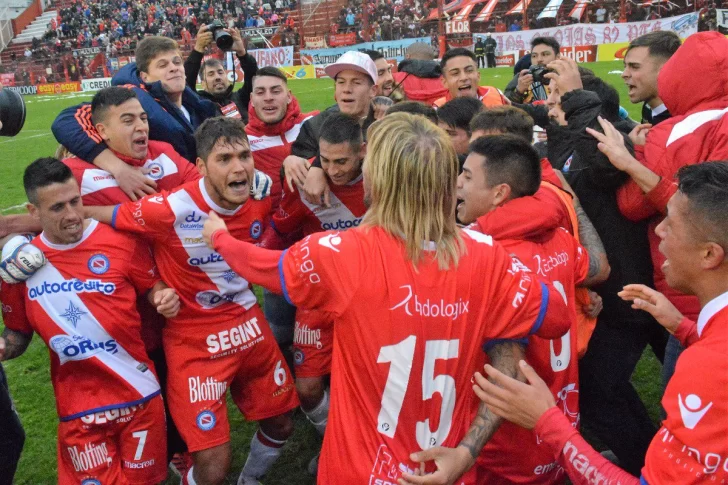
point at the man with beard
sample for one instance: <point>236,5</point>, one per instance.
<point>385,81</point>
<point>215,83</point>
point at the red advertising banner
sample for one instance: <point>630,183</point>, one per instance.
<point>507,60</point>
<point>59,88</point>
<point>336,40</point>
<point>7,79</point>
<point>580,53</point>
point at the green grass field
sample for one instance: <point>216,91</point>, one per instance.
<point>29,375</point>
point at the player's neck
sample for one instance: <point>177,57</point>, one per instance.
<point>51,238</point>
<point>711,287</point>
<point>213,198</point>
<point>654,102</point>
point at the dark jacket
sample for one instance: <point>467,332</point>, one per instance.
<point>595,181</point>
<point>74,130</point>
<point>241,97</point>
<point>653,120</point>
<point>307,143</point>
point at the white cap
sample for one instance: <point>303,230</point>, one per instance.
<point>356,61</point>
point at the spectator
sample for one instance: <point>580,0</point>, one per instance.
<point>461,76</point>
<point>522,88</point>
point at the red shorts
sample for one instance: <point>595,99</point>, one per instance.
<point>120,446</point>
<point>205,361</point>
<point>313,340</point>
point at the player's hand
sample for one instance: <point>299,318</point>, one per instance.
<point>134,182</point>
<point>262,183</point>
<point>381,104</point>
<point>213,224</point>
<point>638,135</point>
<point>20,260</point>
<point>594,308</point>
<point>203,39</point>
<point>518,402</point>
<point>295,169</point>
<point>611,143</point>
<point>566,74</point>
<point>316,190</point>
<point>451,463</point>
<point>525,79</point>
<point>238,42</point>
<point>655,303</point>
<point>2,345</point>
<point>167,302</point>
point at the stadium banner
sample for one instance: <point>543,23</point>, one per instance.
<point>276,57</point>
<point>321,73</point>
<point>393,49</point>
<point>505,60</point>
<point>299,72</point>
<point>25,90</point>
<point>596,34</point>
<point>338,40</point>
<point>318,42</point>
<point>580,53</point>
<point>95,84</point>
<point>722,17</point>
<point>7,79</point>
<point>457,27</point>
<point>612,52</point>
<point>59,88</point>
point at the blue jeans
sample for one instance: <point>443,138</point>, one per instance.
<point>281,317</point>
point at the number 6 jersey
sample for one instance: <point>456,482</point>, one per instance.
<point>407,342</point>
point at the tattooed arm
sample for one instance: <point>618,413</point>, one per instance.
<point>13,344</point>
<point>598,264</point>
<point>504,356</point>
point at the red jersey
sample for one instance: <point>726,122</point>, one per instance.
<point>514,454</point>
<point>82,303</point>
<point>407,342</point>
<point>345,211</point>
<point>209,290</point>
<point>167,168</point>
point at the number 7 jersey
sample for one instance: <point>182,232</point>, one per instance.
<point>406,342</point>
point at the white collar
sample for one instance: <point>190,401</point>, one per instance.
<point>710,309</point>
<point>212,204</point>
<point>659,110</point>
<point>63,247</point>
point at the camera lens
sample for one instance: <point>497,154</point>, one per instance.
<point>223,40</point>
<point>12,112</point>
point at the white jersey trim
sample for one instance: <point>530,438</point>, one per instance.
<point>92,225</point>
<point>693,122</point>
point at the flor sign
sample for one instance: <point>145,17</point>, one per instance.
<point>457,27</point>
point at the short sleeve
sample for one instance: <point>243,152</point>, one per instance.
<point>13,306</point>
<point>143,272</point>
<point>151,216</point>
<point>321,272</point>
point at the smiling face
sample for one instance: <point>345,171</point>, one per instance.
<point>216,81</point>
<point>385,81</point>
<point>461,77</point>
<point>270,99</point>
<point>60,211</point>
<point>167,68</point>
<point>341,162</point>
<point>475,196</point>
<point>354,92</point>
<point>228,172</point>
<point>125,129</point>
<point>640,75</point>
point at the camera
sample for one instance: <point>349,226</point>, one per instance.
<point>12,112</point>
<point>223,40</point>
<point>538,73</point>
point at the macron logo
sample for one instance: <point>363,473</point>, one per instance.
<point>427,308</point>
<point>331,241</point>
<point>690,411</point>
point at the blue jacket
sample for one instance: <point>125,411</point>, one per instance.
<point>74,130</point>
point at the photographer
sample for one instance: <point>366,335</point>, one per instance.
<point>528,86</point>
<point>215,84</point>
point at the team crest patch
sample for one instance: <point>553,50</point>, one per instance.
<point>206,420</point>
<point>156,171</point>
<point>98,264</point>
<point>90,481</point>
<point>298,357</point>
<point>255,229</point>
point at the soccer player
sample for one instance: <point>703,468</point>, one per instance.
<point>691,446</point>
<point>342,153</point>
<point>498,170</point>
<point>220,338</point>
<point>385,81</point>
<point>454,117</point>
<point>413,301</point>
<point>461,77</point>
<point>82,303</point>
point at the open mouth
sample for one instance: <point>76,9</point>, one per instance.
<point>270,109</point>
<point>465,88</point>
<point>140,142</point>
<point>239,186</point>
<point>72,227</point>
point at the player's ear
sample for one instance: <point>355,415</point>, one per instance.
<point>102,131</point>
<point>363,150</point>
<point>33,211</point>
<point>201,166</point>
<point>502,194</point>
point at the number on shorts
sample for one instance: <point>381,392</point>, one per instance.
<point>142,437</point>
<point>400,357</point>
<point>279,375</point>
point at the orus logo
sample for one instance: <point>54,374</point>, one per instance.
<point>79,348</point>
<point>431,309</point>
